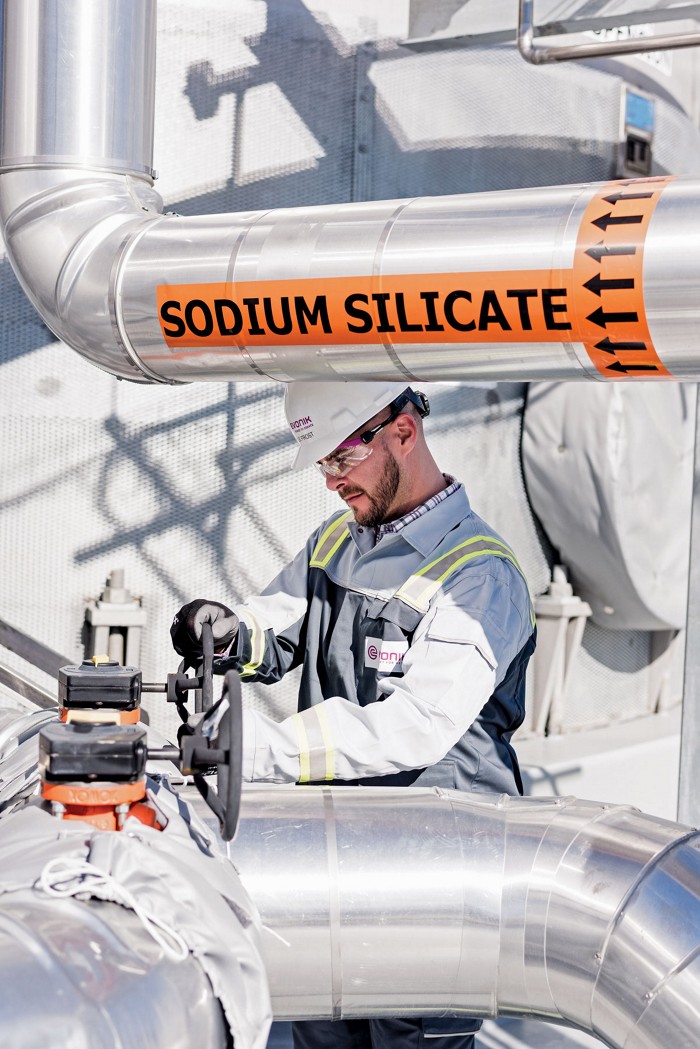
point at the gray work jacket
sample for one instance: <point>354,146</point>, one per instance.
<point>413,655</point>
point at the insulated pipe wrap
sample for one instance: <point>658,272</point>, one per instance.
<point>383,901</point>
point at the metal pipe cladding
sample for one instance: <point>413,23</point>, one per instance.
<point>566,282</point>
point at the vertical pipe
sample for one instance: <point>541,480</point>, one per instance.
<point>78,84</point>
<point>688,794</point>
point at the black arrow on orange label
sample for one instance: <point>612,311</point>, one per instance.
<point>616,220</point>
<point>602,319</point>
<point>618,366</point>
<point>607,346</point>
<point>614,197</point>
<point>597,284</point>
<point>599,250</point>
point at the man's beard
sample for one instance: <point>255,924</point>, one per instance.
<point>383,497</point>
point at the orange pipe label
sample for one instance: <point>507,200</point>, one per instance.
<point>501,306</point>
<point>599,302</point>
<point>608,293</point>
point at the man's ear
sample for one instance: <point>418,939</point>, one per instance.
<point>406,432</point>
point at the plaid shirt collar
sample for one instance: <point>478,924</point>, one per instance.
<point>396,526</point>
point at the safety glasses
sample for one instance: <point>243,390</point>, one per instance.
<point>353,452</point>
<point>346,456</point>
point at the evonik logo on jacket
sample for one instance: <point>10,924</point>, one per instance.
<point>384,656</point>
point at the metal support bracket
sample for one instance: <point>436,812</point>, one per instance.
<point>561,618</point>
<point>114,623</point>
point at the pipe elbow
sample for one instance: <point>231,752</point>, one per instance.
<point>67,233</point>
<point>611,923</point>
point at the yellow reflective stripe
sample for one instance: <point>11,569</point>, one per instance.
<point>511,557</point>
<point>485,540</point>
<point>316,753</point>
<point>417,592</point>
<point>426,581</point>
<point>328,749</point>
<point>328,538</point>
<point>336,534</point>
<point>421,600</point>
<point>304,756</point>
<point>257,644</point>
<point>319,545</point>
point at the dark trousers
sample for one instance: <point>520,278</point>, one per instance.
<point>385,1034</point>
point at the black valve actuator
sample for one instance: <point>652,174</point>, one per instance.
<point>94,685</point>
<point>85,753</point>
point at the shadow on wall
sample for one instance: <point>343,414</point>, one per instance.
<point>21,328</point>
<point>354,145</point>
<point>202,512</point>
<point>343,102</point>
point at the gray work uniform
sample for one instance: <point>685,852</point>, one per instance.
<point>413,654</point>
<point>413,650</point>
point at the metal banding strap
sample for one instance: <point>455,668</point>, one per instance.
<point>333,537</point>
<point>422,586</point>
<point>333,905</point>
<point>257,645</point>
<point>316,752</point>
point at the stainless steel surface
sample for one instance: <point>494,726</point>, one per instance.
<point>89,976</point>
<point>370,241</point>
<point>425,902</point>
<point>633,45</point>
<point>78,84</point>
<point>379,902</point>
<point>20,684</point>
<point>689,776</point>
<point>64,231</point>
<point>92,252</point>
<point>88,241</point>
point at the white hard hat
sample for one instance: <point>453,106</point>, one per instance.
<point>322,414</point>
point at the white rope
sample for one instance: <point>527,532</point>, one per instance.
<point>68,877</point>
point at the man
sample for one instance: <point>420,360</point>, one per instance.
<point>412,622</point>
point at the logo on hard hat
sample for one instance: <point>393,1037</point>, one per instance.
<point>302,429</point>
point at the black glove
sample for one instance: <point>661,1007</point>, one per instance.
<point>186,630</point>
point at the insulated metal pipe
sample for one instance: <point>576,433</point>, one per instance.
<point>381,901</point>
<point>425,902</point>
<point>78,84</point>
<point>87,974</point>
<point>568,282</point>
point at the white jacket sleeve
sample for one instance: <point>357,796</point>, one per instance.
<point>449,674</point>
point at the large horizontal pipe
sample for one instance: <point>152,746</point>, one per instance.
<point>569,282</point>
<point>383,901</point>
<point>110,940</point>
<point>425,902</point>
